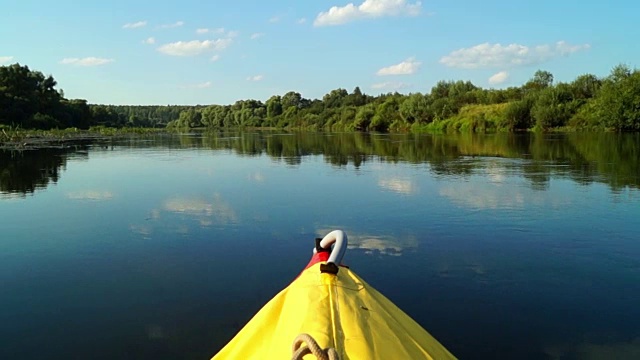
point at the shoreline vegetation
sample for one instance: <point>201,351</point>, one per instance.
<point>22,139</point>
<point>33,111</point>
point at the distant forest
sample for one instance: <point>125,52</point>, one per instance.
<point>30,100</point>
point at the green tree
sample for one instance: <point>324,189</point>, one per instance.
<point>415,108</point>
<point>335,98</point>
<point>25,93</point>
<point>617,104</point>
<point>290,99</point>
<point>553,107</point>
<point>542,79</point>
<point>274,106</point>
<point>356,98</point>
<point>386,114</point>
<point>619,73</point>
<point>190,118</point>
<point>75,113</point>
<point>518,114</point>
<point>363,117</point>
<point>585,86</point>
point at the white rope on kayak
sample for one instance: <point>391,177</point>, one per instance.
<point>312,347</point>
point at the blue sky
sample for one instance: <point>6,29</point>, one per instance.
<point>216,52</point>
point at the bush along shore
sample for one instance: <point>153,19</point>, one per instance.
<point>30,100</point>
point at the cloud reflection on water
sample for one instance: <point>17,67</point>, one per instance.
<point>94,195</point>
<point>493,195</point>
<point>484,196</point>
<point>398,185</point>
<point>376,244</point>
<point>179,211</point>
<point>257,177</point>
<point>143,230</point>
<point>207,212</point>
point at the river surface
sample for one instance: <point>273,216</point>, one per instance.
<point>163,247</point>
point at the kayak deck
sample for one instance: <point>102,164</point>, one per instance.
<point>339,311</point>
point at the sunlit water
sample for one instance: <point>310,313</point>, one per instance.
<point>509,247</point>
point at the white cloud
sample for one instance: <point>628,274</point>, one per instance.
<point>134,25</point>
<point>564,49</point>
<point>220,30</point>
<point>368,9</point>
<point>232,34</point>
<point>302,20</point>
<point>215,57</point>
<point>389,85</point>
<point>174,25</point>
<point>496,55</point>
<point>255,78</point>
<point>274,19</point>
<point>256,35</point>
<point>499,78</point>
<point>5,59</point>
<point>203,85</point>
<point>95,195</point>
<point>88,61</point>
<point>407,67</point>
<point>194,47</point>
<point>149,41</point>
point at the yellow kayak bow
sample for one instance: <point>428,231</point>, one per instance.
<point>334,307</point>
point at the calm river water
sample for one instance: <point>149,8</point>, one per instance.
<point>162,247</point>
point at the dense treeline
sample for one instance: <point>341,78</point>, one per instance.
<point>30,100</point>
<point>137,115</point>
<point>587,102</point>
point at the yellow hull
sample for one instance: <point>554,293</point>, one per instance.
<point>339,311</point>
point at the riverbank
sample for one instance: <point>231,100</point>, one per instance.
<point>25,139</point>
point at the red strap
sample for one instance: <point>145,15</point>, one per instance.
<point>319,257</point>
